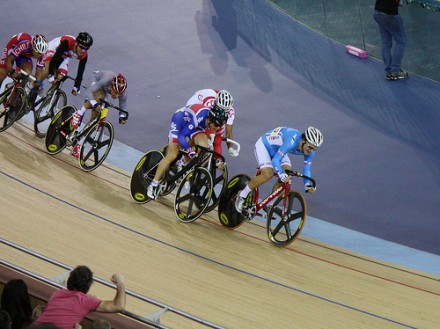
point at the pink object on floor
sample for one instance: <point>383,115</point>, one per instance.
<point>356,51</point>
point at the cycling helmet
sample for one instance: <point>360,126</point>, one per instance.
<point>314,137</point>
<point>119,83</point>
<point>217,116</point>
<point>39,43</point>
<point>224,100</point>
<point>84,39</point>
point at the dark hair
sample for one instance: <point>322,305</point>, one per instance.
<point>5,320</point>
<point>16,301</point>
<point>80,279</point>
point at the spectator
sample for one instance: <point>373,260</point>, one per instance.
<point>16,301</point>
<point>67,307</point>
<point>386,15</point>
<point>5,320</point>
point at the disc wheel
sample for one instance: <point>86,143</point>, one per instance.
<point>58,130</point>
<point>286,218</point>
<point>227,214</point>
<point>193,195</point>
<point>143,174</point>
<point>46,109</point>
<point>97,144</point>
<point>11,107</point>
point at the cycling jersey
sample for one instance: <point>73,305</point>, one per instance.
<point>20,47</point>
<point>102,80</point>
<point>58,53</point>
<point>188,123</point>
<point>281,141</point>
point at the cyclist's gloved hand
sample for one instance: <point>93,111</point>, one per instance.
<point>122,118</point>
<point>191,153</point>
<point>51,78</point>
<point>283,177</point>
<point>75,91</point>
<point>220,164</point>
<point>233,152</point>
<point>309,189</point>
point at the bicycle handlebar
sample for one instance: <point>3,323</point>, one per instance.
<point>231,141</point>
<point>114,106</point>
<point>30,76</point>
<point>207,150</point>
<point>298,174</point>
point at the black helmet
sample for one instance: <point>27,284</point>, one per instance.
<point>84,39</point>
<point>217,116</point>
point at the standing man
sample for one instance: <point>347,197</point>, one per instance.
<point>386,14</point>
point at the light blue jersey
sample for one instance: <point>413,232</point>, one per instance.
<point>281,141</point>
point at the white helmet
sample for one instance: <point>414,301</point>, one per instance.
<point>314,137</point>
<point>39,43</point>
<point>224,100</point>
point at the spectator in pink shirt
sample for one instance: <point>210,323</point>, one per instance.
<point>67,307</point>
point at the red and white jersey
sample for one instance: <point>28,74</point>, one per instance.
<point>67,53</point>
<point>207,98</point>
<point>18,46</point>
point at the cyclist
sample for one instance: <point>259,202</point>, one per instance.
<point>20,49</point>
<point>194,123</point>
<point>105,83</point>
<point>223,99</point>
<point>271,152</point>
<point>55,61</point>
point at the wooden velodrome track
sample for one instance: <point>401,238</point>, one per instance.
<point>235,279</point>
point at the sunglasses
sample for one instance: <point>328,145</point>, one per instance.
<point>82,47</point>
<point>311,147</point>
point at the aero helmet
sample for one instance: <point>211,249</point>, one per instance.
<point>224,100</point>
<point>314,137</point>
<point>119,83</point>
<point>39,43</point>
<point>217,116</point>
<point>84,39</point>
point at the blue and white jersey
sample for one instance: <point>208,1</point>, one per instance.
<point>188,122</point>
<point>283,140</point>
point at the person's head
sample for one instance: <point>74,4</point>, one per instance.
<point>216,118</point>
<point>5,320</point>
<point>80,279</point>
<point>312,139</point>
<point>101,324</point>
<point>118,85</point>
<point>16,300</point>
<point>83,42</point>
<point>224,100</point>
<point>39,45</point>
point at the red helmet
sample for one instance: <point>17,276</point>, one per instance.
<point>119,84</point>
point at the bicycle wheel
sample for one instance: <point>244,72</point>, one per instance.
<point>97,143</point>
<point>227,214</point>
<point>143,174</point>
<point>286,218</point>
<point>220,180</point>
<point>193,195</point>
<point>46,109</point>
<point>13,107</point>
<point>58,130</point>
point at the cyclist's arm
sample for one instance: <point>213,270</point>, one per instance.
<point>63,46</point>
<point>187,130</point>
<point>80,73</point>
<point>307,167</point>
<point>218,138</point>
<point>9,63</point>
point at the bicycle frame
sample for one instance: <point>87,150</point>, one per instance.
<point>257,206</point>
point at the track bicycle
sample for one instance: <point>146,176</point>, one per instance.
<point>13,100</point>
<point>285,218</point>
<point>199,183</point>
<point>98,135</point>
<point>48,105</point>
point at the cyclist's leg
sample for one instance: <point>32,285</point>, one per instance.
<point>164,164</point>
<point>285,164</point>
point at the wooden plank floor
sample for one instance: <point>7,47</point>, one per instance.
<point>235,279</point>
